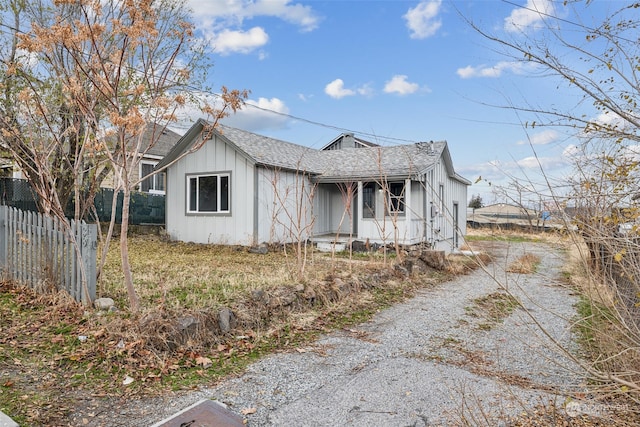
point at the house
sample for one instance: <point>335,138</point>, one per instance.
<point>156,142</point>
<point>229,186</point>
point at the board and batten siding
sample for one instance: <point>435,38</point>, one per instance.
<point>233,228</point>
<point>442,233</point>
<point>285,205</point>
<point>331,211</point>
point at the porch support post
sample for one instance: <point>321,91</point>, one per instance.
<point>408,211</point>
<point>358,210</point>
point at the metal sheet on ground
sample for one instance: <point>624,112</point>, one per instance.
<point>206,413</point>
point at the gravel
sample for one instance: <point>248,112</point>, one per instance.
<point>428,361</point>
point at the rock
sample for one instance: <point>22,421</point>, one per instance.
<point>434,259</point>
<point>283,300</point>
<point>226,320</point>
<point>419,266</point>
<point>261,249</point>
<point>341,286</point>
<point>103,303</point>
<point>187,324</point>
<point>359,246</point>
<point>260,296</point>
<point>403,269</point>
<point>309,294</point>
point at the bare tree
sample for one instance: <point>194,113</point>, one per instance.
<point>347,193</point>
<point>599,63</point>
<point>292,212</point>
<point>94,76</point>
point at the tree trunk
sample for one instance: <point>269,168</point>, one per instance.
<point>124,250</point>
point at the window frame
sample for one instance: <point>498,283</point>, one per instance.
<point>369,189</point>
<point>160,177</point>
<point>397,201</point>
<point>220,178</point>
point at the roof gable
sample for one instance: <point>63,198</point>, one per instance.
<point>347,140</point>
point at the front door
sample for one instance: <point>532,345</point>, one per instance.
<point>455,225</point>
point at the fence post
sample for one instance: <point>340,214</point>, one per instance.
<point>89,253</point>
<point>3,239</point>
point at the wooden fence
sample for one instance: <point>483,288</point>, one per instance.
<point>39,251</point>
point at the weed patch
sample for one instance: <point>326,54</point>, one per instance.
<point>493,308</point>
<point>525,264</point>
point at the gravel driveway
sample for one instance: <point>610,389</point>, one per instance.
<point>429,361</point>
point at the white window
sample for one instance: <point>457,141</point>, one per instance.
<point>441,198</point>
<point>154,184</point>
<point>369,200</point>
<point>396,197</point>
<point>208,193</point>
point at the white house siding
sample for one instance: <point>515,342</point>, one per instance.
<point>330,207</point>
<point>237,227</point>
<point>407,228</point>
<point>442,234</point>
<point>286,205</point>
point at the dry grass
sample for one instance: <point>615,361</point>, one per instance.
<point>50,345</point>
<point>475,234</point>
<point>494,308</point>
<point>606,339</point>
<point>525,264</point>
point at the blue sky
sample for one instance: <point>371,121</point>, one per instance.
<point>392,72</point>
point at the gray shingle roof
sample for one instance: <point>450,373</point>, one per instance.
<point>270,151</point>
<point>164,139</point>
<point>344,164</point>
<point>337,164</point>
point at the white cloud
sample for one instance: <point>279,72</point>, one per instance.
<point>259,115</point>
<point>27,59</point>
<point>336,89</point>
<point>228,41</point>
<point>221,21</point>
<point>536,164</point>
<point>571,151</point>
<point>529,16</point>
<point>399,84</point>
<point>256,115</point>
<point>236,11</point>
<point>612,120</point>
<point>542,138</point>
<point>422,20</point>
<point>365,90</point>
<point>495,70</point>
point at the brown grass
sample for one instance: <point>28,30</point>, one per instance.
<point>525,264</point>
<point>606,340</point>
<point>49,344</point>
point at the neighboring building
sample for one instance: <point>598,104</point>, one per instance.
<point>164,139</point>
<point>156,142</point>
<point>503,215</point>
<point>242,188</point>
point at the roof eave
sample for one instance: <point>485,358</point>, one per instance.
<point>183,143</point>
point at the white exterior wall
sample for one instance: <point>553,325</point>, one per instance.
<point>441,231</point>
<point>236,227</point>
<point>285,206</point>
<point>406,227</point>
<point>329,209</point>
